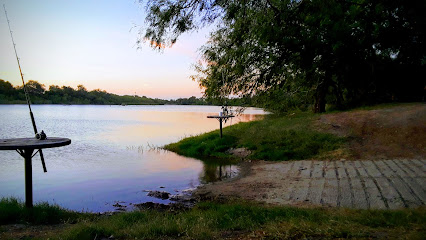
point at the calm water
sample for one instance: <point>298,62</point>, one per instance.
<point>113,156</point>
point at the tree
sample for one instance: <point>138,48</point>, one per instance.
<point>6,88</point>
<point>81,88</point>
<point>167,20</point>
<point>322,51</point>
<point>35,88</point>
<point>68,95</point>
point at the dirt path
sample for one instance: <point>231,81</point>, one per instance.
<point>388,133</point>
<point>386,170</point>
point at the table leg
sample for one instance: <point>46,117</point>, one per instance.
<point>28,178</point>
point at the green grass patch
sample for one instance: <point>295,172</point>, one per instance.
<point>214,220</point>
<point>211,220</point>
<point>14,211</point>
<point>273,138</point>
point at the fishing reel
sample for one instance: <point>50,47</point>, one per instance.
<point>41,136</point>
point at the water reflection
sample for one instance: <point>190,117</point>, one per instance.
<point>172,162</point>
<point>114,155</point>
<point>214,173</point>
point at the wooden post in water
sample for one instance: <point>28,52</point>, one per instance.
<point>221,118</point>
<point>220,123</point>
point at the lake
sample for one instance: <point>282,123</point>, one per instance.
<point>114,156</point>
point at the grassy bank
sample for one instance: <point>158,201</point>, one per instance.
<point>233,220</point>
<point>14,211</point>
<point>273,138</point>
<point>214,220</point>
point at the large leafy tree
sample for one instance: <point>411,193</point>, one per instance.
<point>341,52</point>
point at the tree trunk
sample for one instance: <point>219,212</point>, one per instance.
<point>339,96</point>
<point>319,106</point>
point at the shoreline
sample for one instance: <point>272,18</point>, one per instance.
<point>374,172</point>
<point>356,184</point>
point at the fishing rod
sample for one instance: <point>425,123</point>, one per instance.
<point>41,135</point>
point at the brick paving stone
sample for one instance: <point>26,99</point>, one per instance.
<point>361,184</point>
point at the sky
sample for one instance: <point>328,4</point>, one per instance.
<point>93,43</point>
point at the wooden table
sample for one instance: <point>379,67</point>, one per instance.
<point>25,147</point>
<point>221,119</point>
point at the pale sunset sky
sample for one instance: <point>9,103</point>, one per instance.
<point>93,43</point>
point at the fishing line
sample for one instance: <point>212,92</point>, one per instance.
<point>42,135</point>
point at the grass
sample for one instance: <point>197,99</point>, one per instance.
<point>213,220</point>
<point>14,211</point>
<point>274,138</point>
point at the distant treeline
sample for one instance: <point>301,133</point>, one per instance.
<point>68,95</point>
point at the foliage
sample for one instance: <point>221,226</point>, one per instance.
<point>68,95</point>
<point>273,138</point>
<point>35,88</point>
<point>167,20</point>
<point>188,101</point>
<point>344,53</point>
<point>243,102</point>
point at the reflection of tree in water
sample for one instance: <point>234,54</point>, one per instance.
<point>214,173</point>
